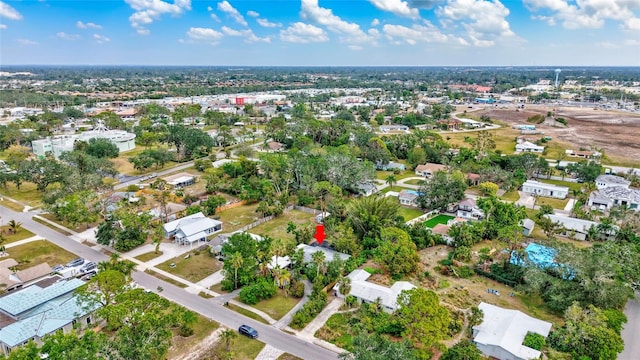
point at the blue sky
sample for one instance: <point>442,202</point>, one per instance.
<point>313,32</point>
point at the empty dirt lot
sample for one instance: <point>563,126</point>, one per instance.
<point>617,133</point>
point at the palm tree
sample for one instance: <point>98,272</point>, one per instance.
<point>227,337</point>
<point>236,262</point>
<point>282,277</point>
<point>391,180</point>
<point>344,285</point>
<point>2,241</point>
<point>14,226</point>
<point>318,258</point>
<point>158,236</point>
<point>279,247</point>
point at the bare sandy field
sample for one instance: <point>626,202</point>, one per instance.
<point>617,133</point>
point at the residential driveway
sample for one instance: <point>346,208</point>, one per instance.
<point>526,200</point>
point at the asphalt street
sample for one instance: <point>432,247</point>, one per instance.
<point>631,331</point>
<point>268,334</point>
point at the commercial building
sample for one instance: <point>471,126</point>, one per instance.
<point>64,143</point>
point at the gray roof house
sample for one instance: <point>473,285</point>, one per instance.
<point>502,332</point>
<point>328,253</point>
<point>543,189</point>
<point>369,292</point>
<point>578,228</point>
<point>192,228</point>
<point>609,197</point>
<point>607,181</point>
<point>35,311</point>
<point>527,226</point>
<point>408,197</point>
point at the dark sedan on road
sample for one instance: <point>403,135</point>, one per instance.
<point>247,330</point>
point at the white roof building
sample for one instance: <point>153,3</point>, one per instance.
<point>615,196</point>
<point>192,228</point>
<point>328,253</point>
<point>369,292</point>
<point>607,181</point>
<point>529,147</point>
<point>502,333</point>
<point>544,189</point>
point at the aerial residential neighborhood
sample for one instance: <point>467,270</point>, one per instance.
<point>362,180</point>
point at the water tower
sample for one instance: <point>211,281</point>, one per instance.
<point>557,71</point>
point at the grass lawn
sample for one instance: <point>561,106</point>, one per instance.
<point>27,194</point>
<point>76,228</point>
<point>287,356</point>
<point>414,182</point>
<point>218,289</point>
<point>278,306</point>
<point>555,203</point>
<point>10,237</point>
<point>382,175</point>
<point>439,219</point>
<point>277,228</point>
<point>247,313</point>
<point>38,220</point>
<point>395,188</point>
<point>38,252</point>
<point>238,217</point>
<point>337,330</point>
<point>196,267</point>
<point>148,256</point>
<point>11,205</point>
<point>244,348</point>
<point>183,345</point>
<point>504,137</point>
<point>409,213</point>
<point>164,278</point>
<point>570,185</point>
<point>511,196</point>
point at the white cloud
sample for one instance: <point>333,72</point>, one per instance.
<point>100,39</point>
<point>632,42</point>
<point>215,17</point>
<point>375,22</point>
<point>246,34</point>
<point>64,35</point>
<point>397,7</point>
<point>209,8</point>
<point>484,21</point>
<point>27,42</point>
<point>350,32</point>
<point>226,7</point>
<point>268,24</point>
<point>303,33</point>
<point>6,11</point>
<point>428,33</point>
<point>590,14</point>
<point>253,13</point>
<point>3,26</point>
<point>424,4</point>
<point>89,25</point>
<point>147,11</point>
<point>205,35</point>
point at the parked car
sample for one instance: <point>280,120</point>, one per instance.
<point>88,267</point>
<point>75,262</point>
<point>247,330</point>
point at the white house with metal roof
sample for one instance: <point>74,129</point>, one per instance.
<point>369,292</point>
<point>192,228</point>
<point>547,190</point>
<point>527,146</point>
<point>607,181</point>
<point>33,312</point>
<point>328,253</point>
<point>502,332</point>
<point>615,196</point>
<point>578,228</point>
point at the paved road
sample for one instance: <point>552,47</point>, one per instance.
<point>631,331</point>
<point>270,335</point>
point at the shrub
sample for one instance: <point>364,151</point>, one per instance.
<point>464,272</point>
<point>263,289</point>
<point>297,289</point>
<point>534,341</point>
<point>310,309</point>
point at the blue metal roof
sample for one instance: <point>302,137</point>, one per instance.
<point>33,296</point>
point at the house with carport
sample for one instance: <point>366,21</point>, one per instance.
<point>368,292</point>
<point>191,229</point>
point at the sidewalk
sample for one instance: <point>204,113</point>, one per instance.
<point>284,322</point>
<point>23,241</point>
<point>269,352</point>
<point>309,331</point>
<point>54,224</point>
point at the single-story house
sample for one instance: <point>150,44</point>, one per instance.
<point>428,169</point>
<point>366,189</point>
<point>180,180</point>
<point>467,209</point>
<point>408,197</point>
<point>387,128</point>
<point>473,179</point>
<point>390,166</point>
<point>369,292</point>
<point>615,196</point>
<point>547,190</point>
<point>527,146</point>
<point>527,226</point>
<point>172,210</point>
<point>578,228</point>
<point>13,280</point>
<point>192,228</point>
<point>38,310</point>
<point>502,332</point>
<point>275,146</point>
<point>329,254</point>
<point>443,230</point>
<point>608,181</point>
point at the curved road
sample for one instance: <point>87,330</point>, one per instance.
<point>631,330</point>
<point>268,334</point>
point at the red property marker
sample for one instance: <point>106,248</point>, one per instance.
<point>320,235</point>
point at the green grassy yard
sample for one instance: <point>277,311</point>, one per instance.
<point>554,203</point>
<point>439,219</point>
<point>244,348</point>
<point>10,237</point>
<point>511,196</point>
<point>277,228</point>
<point>248,313</point>
<point>37,252</point>
<point>196,267</point>
<point>570,185</point>
<point>278,306</point>
<point>409,213</point>
<point>27,194</point>
<point>148,256</point>
<point>235,218</point>
<point>183,345</point>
